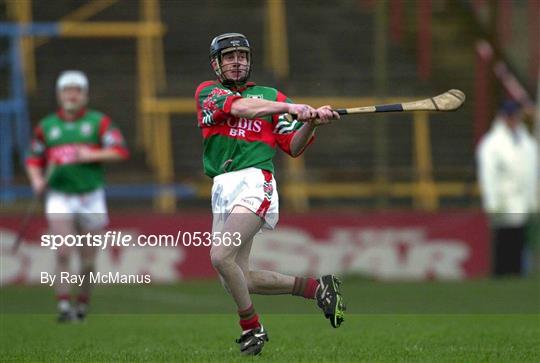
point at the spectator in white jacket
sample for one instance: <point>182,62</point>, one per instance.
<point>507,157</point>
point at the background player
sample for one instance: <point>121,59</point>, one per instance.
<point>242,124</point>
<point>65,160</point>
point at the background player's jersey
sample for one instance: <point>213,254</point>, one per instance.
<point>56,140</point>
<point>232,143</point>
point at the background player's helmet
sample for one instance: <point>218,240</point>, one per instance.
<point>72,78</point>
<point>72,101</point>
<point>225,43</point>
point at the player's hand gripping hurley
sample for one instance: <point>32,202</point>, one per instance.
<point>31,212</point>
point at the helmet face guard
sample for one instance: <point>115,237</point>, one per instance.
<point>226,43</point>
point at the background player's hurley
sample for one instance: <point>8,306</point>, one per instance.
<point>30,212</point>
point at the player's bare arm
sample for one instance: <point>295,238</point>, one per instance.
<point>37,179</point>
<point>253,108</point>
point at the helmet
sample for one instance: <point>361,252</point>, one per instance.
<point>226,43</point>
<point>72,78</point>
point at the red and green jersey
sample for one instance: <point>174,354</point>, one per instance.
<point>232,143</point>
<point>55,142</point>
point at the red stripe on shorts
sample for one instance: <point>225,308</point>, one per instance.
<point>268,189</point>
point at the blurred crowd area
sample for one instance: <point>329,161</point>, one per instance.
<point>364,51</point>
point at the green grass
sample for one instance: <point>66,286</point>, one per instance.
<point>478,321</point>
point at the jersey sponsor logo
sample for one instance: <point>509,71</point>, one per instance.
<point>63,154</point>
<point>86,129</point>
<point>239,126</point>
<point>260,97</point>
<point>55,133</point>
<point>245,124</point>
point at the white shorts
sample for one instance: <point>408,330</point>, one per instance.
<point>252,188</point>
<point>89,210</point>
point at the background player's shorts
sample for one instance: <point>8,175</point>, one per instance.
<point>89,210</point>
<point>252,188</point>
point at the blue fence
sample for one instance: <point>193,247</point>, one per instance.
<point>15,130</point>
<point>14,118</point>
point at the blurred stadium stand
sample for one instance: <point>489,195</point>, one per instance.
<point>335,50</point>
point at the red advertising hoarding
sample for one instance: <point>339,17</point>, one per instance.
<point>393,246</point>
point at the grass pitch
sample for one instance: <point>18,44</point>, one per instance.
<point>492,321</point>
